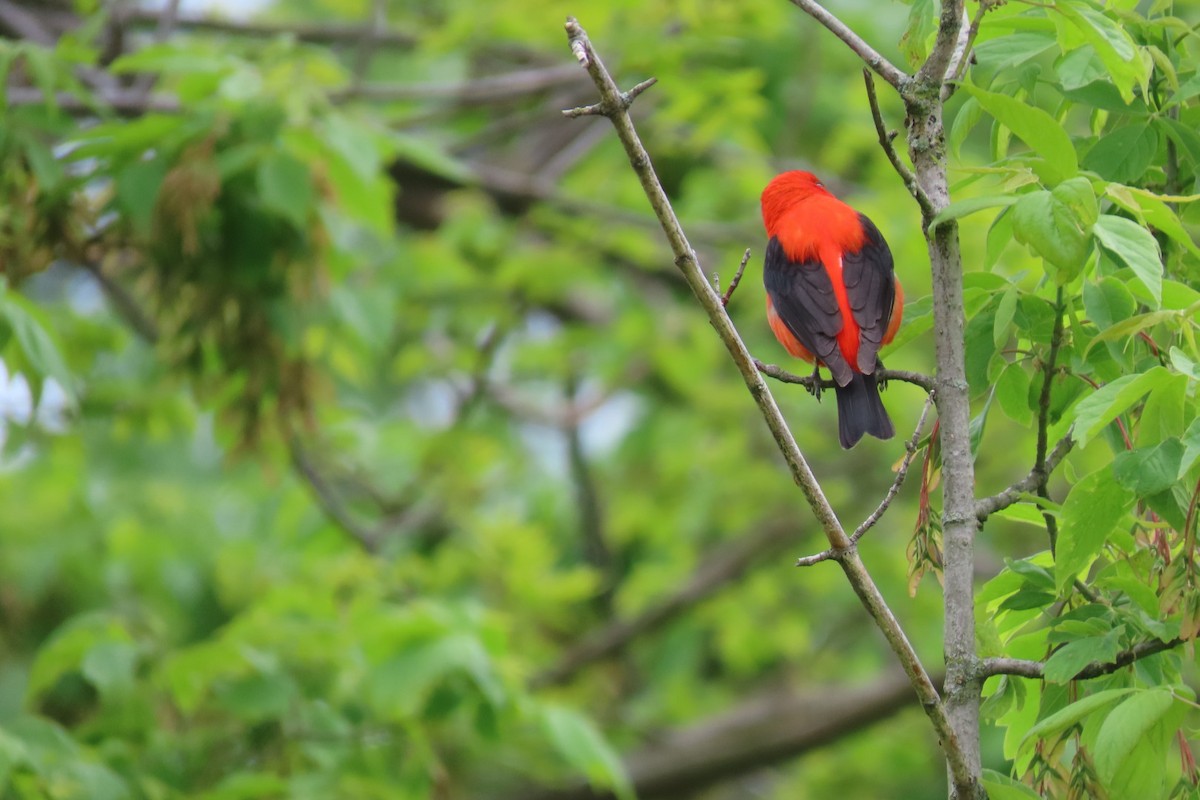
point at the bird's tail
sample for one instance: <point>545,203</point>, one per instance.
<point>860,410</point>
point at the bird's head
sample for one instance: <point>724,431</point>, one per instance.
<point>785,192</point>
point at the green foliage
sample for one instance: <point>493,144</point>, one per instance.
<point>394,400</point>
<point>1096,98</point>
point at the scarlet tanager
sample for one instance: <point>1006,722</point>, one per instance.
<point>832,294</point>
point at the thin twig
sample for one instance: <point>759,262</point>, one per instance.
<point>1036,669</point>
<point>615,107</point>
<point>987,506</point>
<point>883,375</point>
<point>1039,461</point>
<point>910,448</point>
<point>886,138</point>
<point>884,68</point>
<point>737,278</point>
<point>327,498</point>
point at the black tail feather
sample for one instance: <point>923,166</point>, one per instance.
<point>860,410</point>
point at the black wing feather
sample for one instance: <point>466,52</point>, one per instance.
<point>803,297</point>
<point>870,281</point>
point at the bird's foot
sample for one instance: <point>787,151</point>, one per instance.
<point>814,384</point>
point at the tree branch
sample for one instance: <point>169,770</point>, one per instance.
<point>884,375</point>
<point>322,33</point>
<point>1039,460</point>
<point>884,68</point>
<point>733,284</point>
<point>328,500</point>
<point>614,104</point>
<point>766,730</point>
<point>910,450</point>
<point>1036,669</point>
<point>885,141</point>
<point>987,506</point>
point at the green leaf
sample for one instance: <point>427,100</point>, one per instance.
<point>35,340</point>
<point>1005,311</point>
<point>70,645</point>
<point>1126,726</point>
<point>1147,471</point>
<point>1013,50</point>
<point>1093,413</point>
<point>1094,508</point>
<point>1186,138</point>
<point>1040,131</point>
<point>1136,248</point>
<point>1112,44</point>
<point>1068,660</point>
<point>1123,155</point>
<point>1072,714</point>
<point>1107,302</point>
<point>110,667</point>
<point>1002,787</point>
<point>922,22</point>
<point>1012,392</point>
<point>579,742</point>
<point>1191,448</point>
<point>1053,230</point>
<point>286,187</point>
<point>13,754</point>
<point>403,683</point>
<point>980,346</point>
<point>136,194</point>
<point>1150,209</point>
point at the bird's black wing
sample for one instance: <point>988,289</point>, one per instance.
<point>870,281</point>
<point>802,294</point>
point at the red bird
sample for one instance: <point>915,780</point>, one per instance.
<point>832,294</point>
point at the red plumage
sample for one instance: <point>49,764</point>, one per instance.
<point>832,294</point>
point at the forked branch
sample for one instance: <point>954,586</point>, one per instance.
<point>614,105</point>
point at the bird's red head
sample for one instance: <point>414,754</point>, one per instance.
<point>785,192</point>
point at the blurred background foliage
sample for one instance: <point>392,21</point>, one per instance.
<point>360,439</point>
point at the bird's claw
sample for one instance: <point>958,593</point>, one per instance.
<point>814,384</point>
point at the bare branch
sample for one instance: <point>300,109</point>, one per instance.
<point>884,68</point>
<point>768,729</point>
<point>615,107</point>
<point>123,303</point>
<point>987,506</point>
<point>24,23</point>
<point>490,89</point>
<point>886,138</point>
<point>1036,669</point>
<point>733,284</point>
<point>901,473</point>
<point>726,564</point>
<point>329,500</point>
<point>323,33</point>
<point>124,102</point>
<point>910,451</point>
<point>884,375</point>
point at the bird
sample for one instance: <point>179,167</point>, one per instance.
<point>833,298</point>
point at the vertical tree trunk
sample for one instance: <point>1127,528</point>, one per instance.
<point>926,140</point>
